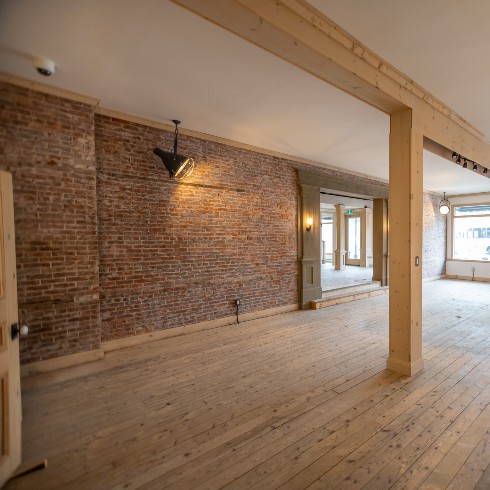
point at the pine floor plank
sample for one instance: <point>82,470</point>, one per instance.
<point>448,468</point>
<point>472,471</point>
<point>299,400</point>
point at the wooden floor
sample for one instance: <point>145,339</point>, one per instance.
<point>351,275</point>
<point>300,400</point>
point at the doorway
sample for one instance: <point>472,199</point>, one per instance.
<point>323,203</point>
<point>353,239</point>
<point>346,247</point>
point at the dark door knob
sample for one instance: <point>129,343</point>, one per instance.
<point>15,330</point>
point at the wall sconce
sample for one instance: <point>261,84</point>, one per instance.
<point>178,166</point>
<point>309,223</point>
<point>444,205</point>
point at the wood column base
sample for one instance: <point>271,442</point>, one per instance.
<point>340,260</point>
<point>404,367</point>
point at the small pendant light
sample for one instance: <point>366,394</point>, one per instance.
<point>444,205</point>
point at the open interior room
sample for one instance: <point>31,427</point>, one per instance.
<point>289,401</point>
<point>244,244</point>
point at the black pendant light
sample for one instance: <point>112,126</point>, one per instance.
<point>178,166</point>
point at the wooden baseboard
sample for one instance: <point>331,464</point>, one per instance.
<point>61,362</point>
<point>468,278</point>
<point>117,344</point>
<point>97,354</point>
<point>434,278</point>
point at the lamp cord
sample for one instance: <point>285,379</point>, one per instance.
<point>237,307</point>
<point>176,139</point>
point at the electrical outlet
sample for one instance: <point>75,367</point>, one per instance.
<point>237,302</point>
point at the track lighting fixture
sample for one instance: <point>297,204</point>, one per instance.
<point>178,166</point>
<point>466,161</point>
<point>444,205</point>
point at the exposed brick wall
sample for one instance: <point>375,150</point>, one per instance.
<point>178,253</point>
<point>93,204</point>
<point>434,238</point>
<point>47,143</point>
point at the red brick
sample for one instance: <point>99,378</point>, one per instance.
<point>108,246</point>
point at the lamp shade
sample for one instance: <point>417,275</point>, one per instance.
<point>444,208</point>
<point>178,166</point>
<point>444,205</point>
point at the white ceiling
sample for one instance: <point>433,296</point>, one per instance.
<point>156,60</point>
<point>441,44</point>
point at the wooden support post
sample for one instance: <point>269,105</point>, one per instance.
<point>366,237</point>
<point>340,237</point>
<point>380,241</point>
<point>405,246</point>
<point>309,245</point>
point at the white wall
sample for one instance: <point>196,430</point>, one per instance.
<point>464,268</point>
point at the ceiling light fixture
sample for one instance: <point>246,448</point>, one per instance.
<point>178,166</point>
<point>44,66</point>
<point>466,161</point>
<point>444,205</point>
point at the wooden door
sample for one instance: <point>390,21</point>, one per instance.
<point>10,409</point>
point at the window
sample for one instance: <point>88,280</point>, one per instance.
<point>471,232</point>
<point>354,237</point>
<point>327,234</point>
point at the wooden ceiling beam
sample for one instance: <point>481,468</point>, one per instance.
<point>298,33</point>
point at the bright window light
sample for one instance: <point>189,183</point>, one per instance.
<point>471,232</point>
